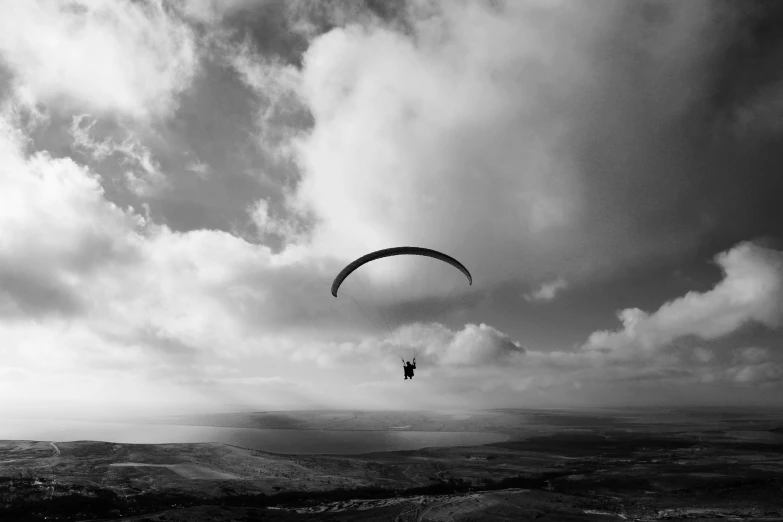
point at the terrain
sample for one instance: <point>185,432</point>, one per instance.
<point>556,465</point>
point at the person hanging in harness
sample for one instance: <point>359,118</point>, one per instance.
<point>408,368</point>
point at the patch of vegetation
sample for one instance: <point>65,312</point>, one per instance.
<point>30,502</point>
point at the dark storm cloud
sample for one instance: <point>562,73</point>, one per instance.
<point>743,192</point>
<point>685,155</point>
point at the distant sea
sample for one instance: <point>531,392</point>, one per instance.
<point>264,439</point>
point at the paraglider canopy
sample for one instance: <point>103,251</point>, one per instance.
<point>397,251</point>
<point>388,295</point>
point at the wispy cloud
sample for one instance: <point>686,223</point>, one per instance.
<point>144,178</point>
<point>547,291</point>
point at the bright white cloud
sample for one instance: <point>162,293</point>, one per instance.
<point>434,346</point>
<point>56,230</point>
<point>89,288</point>
<point>547,291</point>
<point>101,56</point>
<point>479,345</point>
<point>466,133</point>
<point>751,291</point>
<point>445,140</point>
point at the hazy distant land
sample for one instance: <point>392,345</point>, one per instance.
<point>555,465</point>
<point>274,432</point>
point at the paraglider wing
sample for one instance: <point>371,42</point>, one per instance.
<point>397,251</point>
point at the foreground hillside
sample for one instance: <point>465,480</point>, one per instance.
<point>713,471</point>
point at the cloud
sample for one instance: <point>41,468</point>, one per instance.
<point>130,57</point>
<point>703,355</point>
<point>505,134</point>
<point>434,345</point>
<point>479,345</point>
<point>751,291</point>
<point>13,376</point>
<point>519,158</point>
<point>87,286</point>
<point>200,168</point>
<point>20,108</point>
<point>280,111</point>
<point>762,373</point>
<point>57,230</point>
<point>211,11</point>
<point>145,177</point>
<point>206,314</point>
<point>268,224</point>
<point>751,354</point>
<point>81,126</point>
<point>261,381</point>
<point>430,136</point>
<point>547,291</point>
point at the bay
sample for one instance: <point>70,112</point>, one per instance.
<point>291,441</point>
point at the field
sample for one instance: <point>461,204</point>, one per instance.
<point>557,465</point>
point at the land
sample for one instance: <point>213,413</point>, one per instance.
<point>556,466</point>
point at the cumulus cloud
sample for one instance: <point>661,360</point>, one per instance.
<point>57,230</point>
<point>479,344</point>
<point>547,291</point>
<point>406,111</point>
<point>85,284</point>
<point>761,373</point>
<point>506,134</point>
<point>130,57</point>
<point>751,291</point>
<point>434,345</point>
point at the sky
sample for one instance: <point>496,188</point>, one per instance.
<point>181,181</point>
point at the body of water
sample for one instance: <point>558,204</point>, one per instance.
<point>272,440</point>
